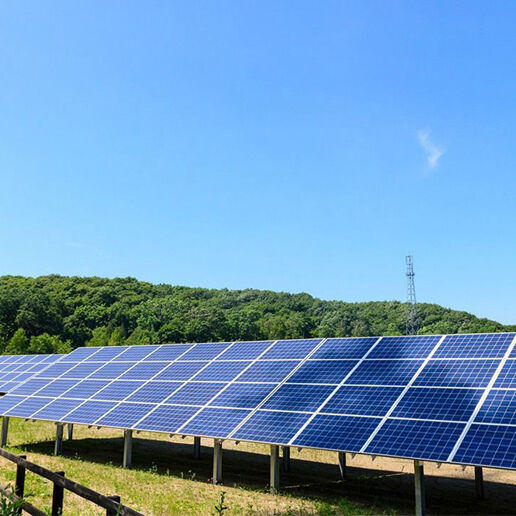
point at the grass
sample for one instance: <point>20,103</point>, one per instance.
<point>166,480</point>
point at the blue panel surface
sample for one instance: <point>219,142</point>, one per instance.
<point>507,376</point>
<point>110,371</point>
<point>271,427</point>
<point>56,370</point>
<point>206,351</point>
<point>125,415</point>
<point>246,350</point>
<point>268,371</point>
<point>243,395</point>
<point>440,404</point>
<point>343,433</point>
<point>492,345</point>
<point>384,372</point>
<point>214,422</point>
<point>155,392</point>
<point>364,401</point>
<point>89,412</point>
<point>180,371</point>
<point>291,349</point>
<point>9,401</point>
<point>499,407</point>
<point>118,390</point>
<point>27,407</point>
<point>31,386</point>
<point>222,371</point>
<point>80,354</point>
<point>167,418</point>
<point>426,440</point>
<point>415,346</point>
<point>135,353</point>
<point>107,354</point>
<point>85,389</point>
<point>57,387</point>
<point>456,373</point>
<point>488,445</point>
<point>304,398</point>
<point>340,348</point>
<point>83,370</point>
<point>169,352</point>
<point>144,371</point>
<point>194,393</point>
<point>323,371</point>
<point>57,409</point>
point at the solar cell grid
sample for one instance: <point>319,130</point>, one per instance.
<point>268,371</point>
<point>499,407</point>
<point>144,371</point>
<point>243,395</point>
<point>343,433</point>
<point>205,351</point>
<point>456,373</point>
<point>342,348</point>
<point>425,440</point>
<point>246,350</point>
<point>180,371</point>
<point>488,445</point>
<point>291,350</point>
<point>365,401</point>
<point>167,352</point>
<point>405,347</point>
<point>28,406</point>
<point>124,415</point>
<point>303,398</point>
<point>155,392</point>
<point>492,345</point>
<point>195,393</point>
<point>222,371</point>
<point>440,404</point>
<point>89,411</point>
<point>323,371</point>
<point>270,427</point>
<point>56,409</point>
<point>167,418</point>
<point>214,422</point>
<point>117,391</point>
<point>384,372</point>
<point>507,376</point>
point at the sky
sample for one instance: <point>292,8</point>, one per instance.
<point>291,146</point>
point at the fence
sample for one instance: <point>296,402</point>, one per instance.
<point>110,503</point>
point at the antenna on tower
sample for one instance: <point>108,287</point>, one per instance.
<point>411,314</point>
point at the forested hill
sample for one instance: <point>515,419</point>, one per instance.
<point>56,314</point>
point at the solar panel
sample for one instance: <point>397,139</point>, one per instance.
<point>15,369</point>
<point>442,398</point>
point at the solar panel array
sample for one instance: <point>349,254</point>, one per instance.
<point>441,398</point>
<point>15,369</point>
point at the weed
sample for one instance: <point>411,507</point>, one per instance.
<point>220,507</point>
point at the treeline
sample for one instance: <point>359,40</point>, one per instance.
<point>55,314</point>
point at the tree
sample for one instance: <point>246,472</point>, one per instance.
<point>19,343</point>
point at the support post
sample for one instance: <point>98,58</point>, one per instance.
<point>217,461</point>
<point>342,465</point>
<point>274,483</point>
<point>419,485</point>
<point>57,497</point>
<point>286,458</point>
<point>58,448</point>
<point>197,448</point>
<point>479,482</point>
<point>5,429</point>
<point>128,448</point>
<point>69,431</point>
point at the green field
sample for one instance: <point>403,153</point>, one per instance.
<point>165,479</point>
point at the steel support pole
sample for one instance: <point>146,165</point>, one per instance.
<point>479,482</point>
<point>5,429</point>
<point>217,461</point>
<point>197,448</point>
<point>286,458</point>
<point>274,483</point>
<point>128,448</point>
<point>69,431</point>
<point>58,448</point>
<point>419,485</point>
<point>342,465</point>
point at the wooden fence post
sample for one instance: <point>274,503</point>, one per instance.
<point>19,486</point>
<point>116,499</point>
<point>57,497</point>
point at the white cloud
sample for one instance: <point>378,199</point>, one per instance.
<point>433,152</point>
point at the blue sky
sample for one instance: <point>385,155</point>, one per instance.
<point>294,146</point>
